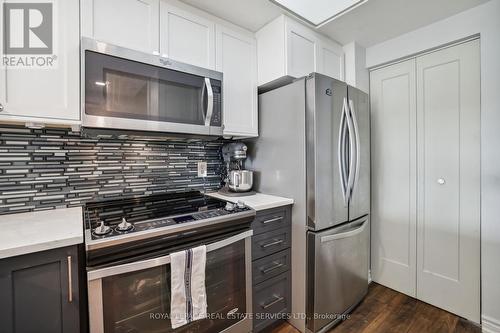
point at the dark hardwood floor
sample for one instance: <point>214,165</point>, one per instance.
<point>386,310</point>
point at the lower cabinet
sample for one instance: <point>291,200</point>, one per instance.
<point>271,267</point>
<point>39,292</point>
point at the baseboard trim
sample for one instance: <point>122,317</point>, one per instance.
<point>490,325</point>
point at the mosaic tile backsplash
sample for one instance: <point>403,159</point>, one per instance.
<point>52,168</point>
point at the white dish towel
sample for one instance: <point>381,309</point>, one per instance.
<point>188,300</point>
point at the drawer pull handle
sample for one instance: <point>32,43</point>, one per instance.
<point>277,299</point>
<point>272,268</point>
<point>70,282</point>
<point>276,219</point>
<point>277,242</point>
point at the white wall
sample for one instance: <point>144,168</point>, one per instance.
<point>483,20</point>
<point>356,73</point>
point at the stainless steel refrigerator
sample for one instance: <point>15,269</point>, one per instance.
<point>314,146</point>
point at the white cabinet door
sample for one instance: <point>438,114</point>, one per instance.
<point>448,247</point>
<point>53,93</point>
<point>286,48</point>
<point>129,23</point>
<point>393,144</point>
<point>271,51</point>
<point>330,60</point>
<point>301,49</point>
<point>237,60</point>
<point>186,37</point>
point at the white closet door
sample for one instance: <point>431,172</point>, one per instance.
<point>448,246</point>
<point>393,128</point>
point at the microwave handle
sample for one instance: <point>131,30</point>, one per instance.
<point>155,262</point>
<point>210,103</point>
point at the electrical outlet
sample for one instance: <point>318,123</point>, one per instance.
<point>202,169</point>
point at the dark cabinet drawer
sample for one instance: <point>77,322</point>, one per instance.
<point>271,301</point>
<point>270,266</point>
<point>270,242</point>
<point>271,219</point>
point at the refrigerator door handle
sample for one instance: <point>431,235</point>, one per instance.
<point>350,233</point>
<point>341,151</point>
<point>358,144</point>
<point>352,153</point>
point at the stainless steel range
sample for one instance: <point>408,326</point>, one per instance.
<point>128,242</point>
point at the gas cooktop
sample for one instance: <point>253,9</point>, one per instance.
<point>116,221</point>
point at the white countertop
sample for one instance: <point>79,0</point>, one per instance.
<point>38,231</point>
<point>258,201</point>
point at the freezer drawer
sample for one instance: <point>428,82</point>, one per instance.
<point>337,279</point>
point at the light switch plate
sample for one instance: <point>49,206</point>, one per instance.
<point>202,169</point>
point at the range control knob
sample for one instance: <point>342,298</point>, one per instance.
<point>229,207</point>
<point>124,225</point>
<point>102,229</point>
<point>240,204</point>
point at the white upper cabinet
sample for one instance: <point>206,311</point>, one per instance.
<point>186,37</point>
<point>48,94</point>
<point>237,60</point>
<point>302,44</point>
<point>330,59</point>
<point>287,48</point>
<point>132,24</point>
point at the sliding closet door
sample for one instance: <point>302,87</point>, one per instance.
<point>393,155</point>
<point>448,109</point>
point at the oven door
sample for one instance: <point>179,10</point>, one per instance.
<point>130,90</point>
<point>135,297</point>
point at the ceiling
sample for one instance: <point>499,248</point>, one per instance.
<point>380,20</point>
<point>249,14</point>
<point>369,24</point>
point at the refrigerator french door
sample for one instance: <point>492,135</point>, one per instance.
<point>327,203</point>
<point>358,106</point>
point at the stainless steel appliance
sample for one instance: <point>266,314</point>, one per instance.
<point>129,90</point>
<point>128,242</point>
<point>314,146</point>
<point>238,179</point>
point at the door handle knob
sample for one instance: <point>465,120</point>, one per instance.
<point>441,181</point>
<point>1,107</point>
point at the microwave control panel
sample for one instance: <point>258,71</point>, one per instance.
<point>217,112</point>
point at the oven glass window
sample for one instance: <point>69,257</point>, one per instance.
<point>140,301</point>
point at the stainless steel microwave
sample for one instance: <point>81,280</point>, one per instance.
<point>123,89</point>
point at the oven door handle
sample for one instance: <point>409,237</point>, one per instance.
<point>155,262</point>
